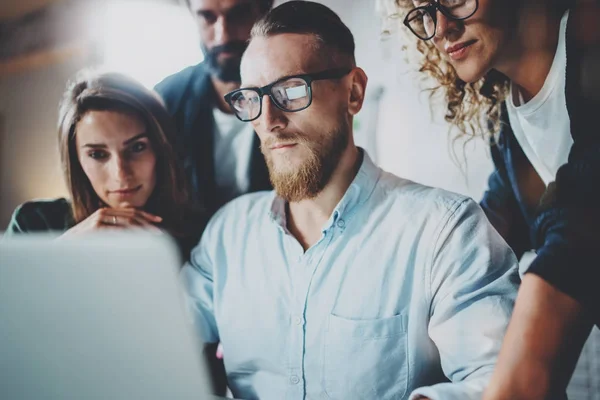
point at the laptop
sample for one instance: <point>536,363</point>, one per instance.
<point>97,317</point>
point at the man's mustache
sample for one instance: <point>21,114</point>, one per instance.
<point>231,47</point>
<point>282,138</point>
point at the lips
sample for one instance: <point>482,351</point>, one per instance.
<point>127,191</point>
<point>282,146</point>
<point>229,54</point>
<point>458,50</point>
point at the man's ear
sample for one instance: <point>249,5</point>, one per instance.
<point>357,90</point>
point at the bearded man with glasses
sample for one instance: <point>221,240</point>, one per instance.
<point>345,282</point>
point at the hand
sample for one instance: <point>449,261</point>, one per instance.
<point>219,352</point>
<point>123,217</point>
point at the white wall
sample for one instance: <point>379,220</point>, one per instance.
<point>29,160</point>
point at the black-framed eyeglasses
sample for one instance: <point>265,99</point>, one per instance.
<point>290,94</point>
<point>422,21</point>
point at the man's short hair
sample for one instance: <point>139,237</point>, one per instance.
<point>307,17</point>
<point>265,5</point>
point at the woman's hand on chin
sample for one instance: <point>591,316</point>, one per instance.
<point>123,217</point>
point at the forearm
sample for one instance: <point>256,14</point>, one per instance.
<point>541,347</point>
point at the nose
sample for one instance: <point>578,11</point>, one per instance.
<point>121,169</point>
<point>222,34</point>
<point>444,26</point>
<point>271,117</point>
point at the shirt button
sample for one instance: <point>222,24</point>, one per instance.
<point>298,320</point>
<point>294,380</point>
<point>341,223</point>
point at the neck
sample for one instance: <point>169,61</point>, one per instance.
<point>221,89</point>
<point>529,57</point>
<point>307,217</point>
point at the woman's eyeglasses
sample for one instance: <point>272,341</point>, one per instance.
<point>422,21</point>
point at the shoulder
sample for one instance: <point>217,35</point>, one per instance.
<point>174,86</point>
<point>404,195</point>
<point>433,210</point>
<point>41,215</point>
<point>438,214</point>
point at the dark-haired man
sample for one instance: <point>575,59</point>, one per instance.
<point>345,282</point>
<point>220,154</point>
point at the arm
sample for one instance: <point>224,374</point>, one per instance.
<point>559,299</point>
<point>542,345</point>
<point>197,276</point>
<point>473,283</point>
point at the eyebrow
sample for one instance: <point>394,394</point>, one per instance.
<point>276,80</point>
<point>128,141</point>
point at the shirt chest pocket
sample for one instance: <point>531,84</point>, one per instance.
<point>366,359</point>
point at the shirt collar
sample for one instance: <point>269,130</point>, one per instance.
<point>357,194</point>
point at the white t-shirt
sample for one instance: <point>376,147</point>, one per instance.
<point>232,150</point>
<point>542,125</point>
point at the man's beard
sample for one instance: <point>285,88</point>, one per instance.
<point>228,69</point>
<point>308,179</point>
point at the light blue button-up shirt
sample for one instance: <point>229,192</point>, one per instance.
<point>409,290</point>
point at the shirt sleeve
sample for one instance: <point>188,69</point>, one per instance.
<point>566,228</point>
<point>14,226</point>
<point>41,216</point>
<point>567,233</point>
<point>197,277</point>
<point>473,285</point>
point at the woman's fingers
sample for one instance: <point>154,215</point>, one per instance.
<point>128,211</point>
<point>110,220</point>
<point>145,214</point>
<point>150,217</point>
<point>127,218</point>
<point>142,223</point>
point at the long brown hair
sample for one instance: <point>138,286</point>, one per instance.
<point>94,91</point>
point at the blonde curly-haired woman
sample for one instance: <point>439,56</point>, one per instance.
<point>523,65</point>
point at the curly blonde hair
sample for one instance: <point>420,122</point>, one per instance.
<point>467,103</point>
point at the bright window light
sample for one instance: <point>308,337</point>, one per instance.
<point>149,40</point>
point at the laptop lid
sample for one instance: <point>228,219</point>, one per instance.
<point>97,317</point>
